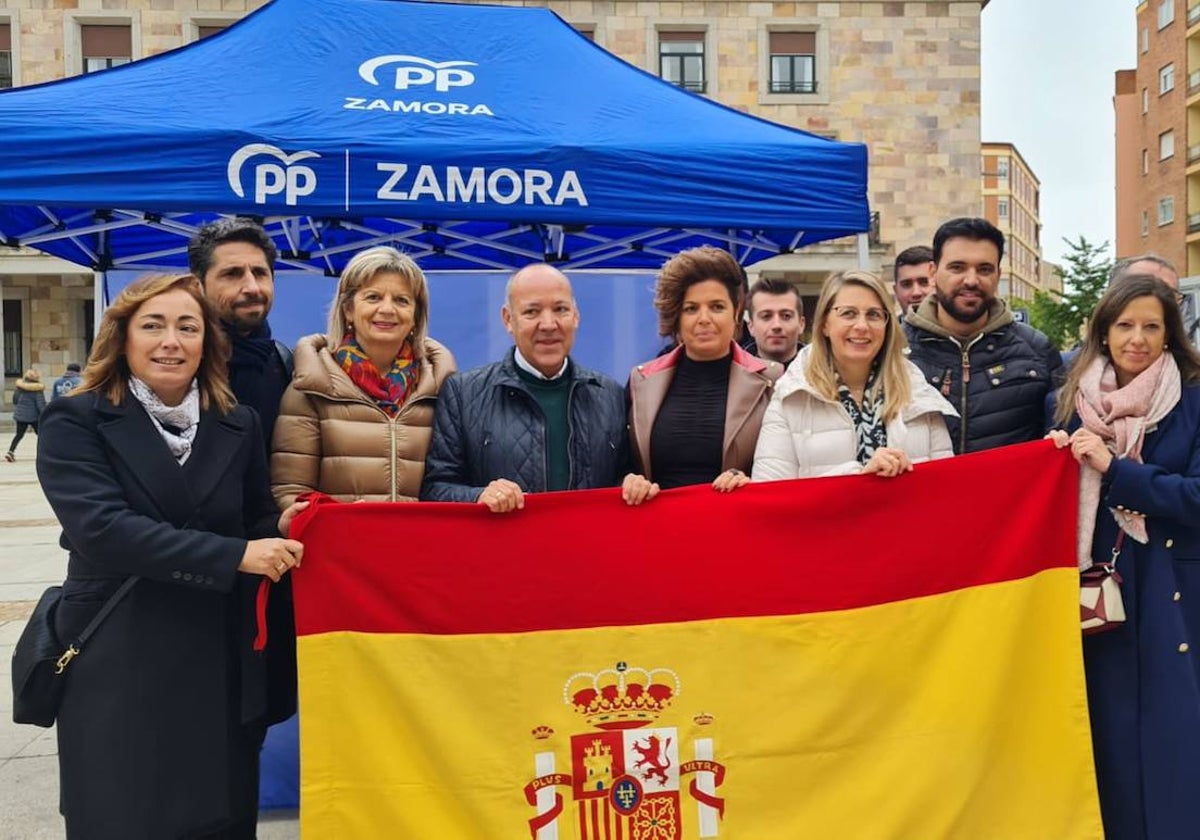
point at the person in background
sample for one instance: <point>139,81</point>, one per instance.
<point>534,421</point>
<point>914,277</point>
<point>695,412</point>
<point>1151,264</point>
<point>776,320</point>
<point>356,421</point>
<point>235,261</point>
<point>153,470</point>
<point>1132,407</point>
<point>66,383</point>
<point>29,401</point>
<point>852,402</point>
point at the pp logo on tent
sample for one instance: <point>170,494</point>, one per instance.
<point>272,178</point>
<point>413,71</point>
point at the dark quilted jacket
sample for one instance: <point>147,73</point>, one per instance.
<point>1011,368</point>
<point>488,426</point>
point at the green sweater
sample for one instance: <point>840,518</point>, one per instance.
<point>553,396</point>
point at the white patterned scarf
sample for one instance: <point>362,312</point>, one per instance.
<point>177,424</point>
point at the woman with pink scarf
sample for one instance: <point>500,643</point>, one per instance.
<point>1133,402</point>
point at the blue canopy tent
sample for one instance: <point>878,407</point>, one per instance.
<point>476,138</point>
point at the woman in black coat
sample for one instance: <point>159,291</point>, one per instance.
<point>153,470</point>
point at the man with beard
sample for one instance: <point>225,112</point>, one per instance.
<point>235,261</point>
<point>995,371</point>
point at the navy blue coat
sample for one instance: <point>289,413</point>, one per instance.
<point>1144,679</point>
<point>488,425</point>
<point>165,709</point>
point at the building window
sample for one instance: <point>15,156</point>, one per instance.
<point>1166,79</point>
<point>681,59</point>
<point>1145,100</point>
<point>1166,145</point>
<point>1166,210</point>
<point>203,32</point>
<point>1002,168</point>
<point>793,62</point>
<point>1145,223</point>
<point>105,46</point>
<point>1166,13</point>
<point>1145,161</point>
<point>1002,208</point>
<point>6,74</point>
<point>1145,39</point>
<point>588,32</point>
<point>14,361</point>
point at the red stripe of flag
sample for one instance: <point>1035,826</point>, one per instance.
<point>584,559</point>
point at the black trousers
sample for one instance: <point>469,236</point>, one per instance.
<point>21,427</point>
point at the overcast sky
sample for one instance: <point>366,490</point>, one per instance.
<point>1047,87</point>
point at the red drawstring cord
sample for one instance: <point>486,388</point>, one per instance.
<point>260,613</point>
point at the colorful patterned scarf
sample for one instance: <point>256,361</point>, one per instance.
<point>870,433</point>
<point>388,390</point>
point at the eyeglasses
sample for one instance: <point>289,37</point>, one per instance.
<point>850,314</point>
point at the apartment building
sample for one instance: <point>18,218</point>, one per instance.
<point>1157,110</point>
<point>1011,201</point>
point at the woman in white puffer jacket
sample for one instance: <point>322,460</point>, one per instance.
<point>851,402</point>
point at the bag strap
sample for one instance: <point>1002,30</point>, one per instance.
<point>74,648</point>
<point>1116,551</point>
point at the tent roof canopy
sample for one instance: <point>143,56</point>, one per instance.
<point>471,136</point>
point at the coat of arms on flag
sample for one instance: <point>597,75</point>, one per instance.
<point>625,772</point>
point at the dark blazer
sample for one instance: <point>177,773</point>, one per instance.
<point>165,709</point>
<point>751,382</point>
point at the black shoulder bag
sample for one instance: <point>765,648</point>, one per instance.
<point>40,660</point>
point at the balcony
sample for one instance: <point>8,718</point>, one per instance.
<point>810,86</point>
<point>1193,222</point>
<point>1193,79</point>
<point>1193,154</point>
<point>1193,15</point>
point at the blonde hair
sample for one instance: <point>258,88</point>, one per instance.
<point>364,267</point>
<point>107,370</point>
<point>893,366</point>
<point>32,375</point>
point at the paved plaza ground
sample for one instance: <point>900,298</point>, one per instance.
<point>30,560</point>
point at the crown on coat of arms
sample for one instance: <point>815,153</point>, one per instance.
<point>621,697</point>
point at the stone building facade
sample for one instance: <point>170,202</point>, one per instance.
<point>901,77</point>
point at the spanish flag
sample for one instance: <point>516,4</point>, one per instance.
<point>844,658</point>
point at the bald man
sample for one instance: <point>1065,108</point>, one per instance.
<point>533,421</point>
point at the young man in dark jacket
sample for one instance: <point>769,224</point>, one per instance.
<point>995,371</point>
<point>533,421</point>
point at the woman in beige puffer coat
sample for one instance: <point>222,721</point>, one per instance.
<point>356,421</point>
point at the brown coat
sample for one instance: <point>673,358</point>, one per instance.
<point>333,438</point>
<point>751,380</point>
